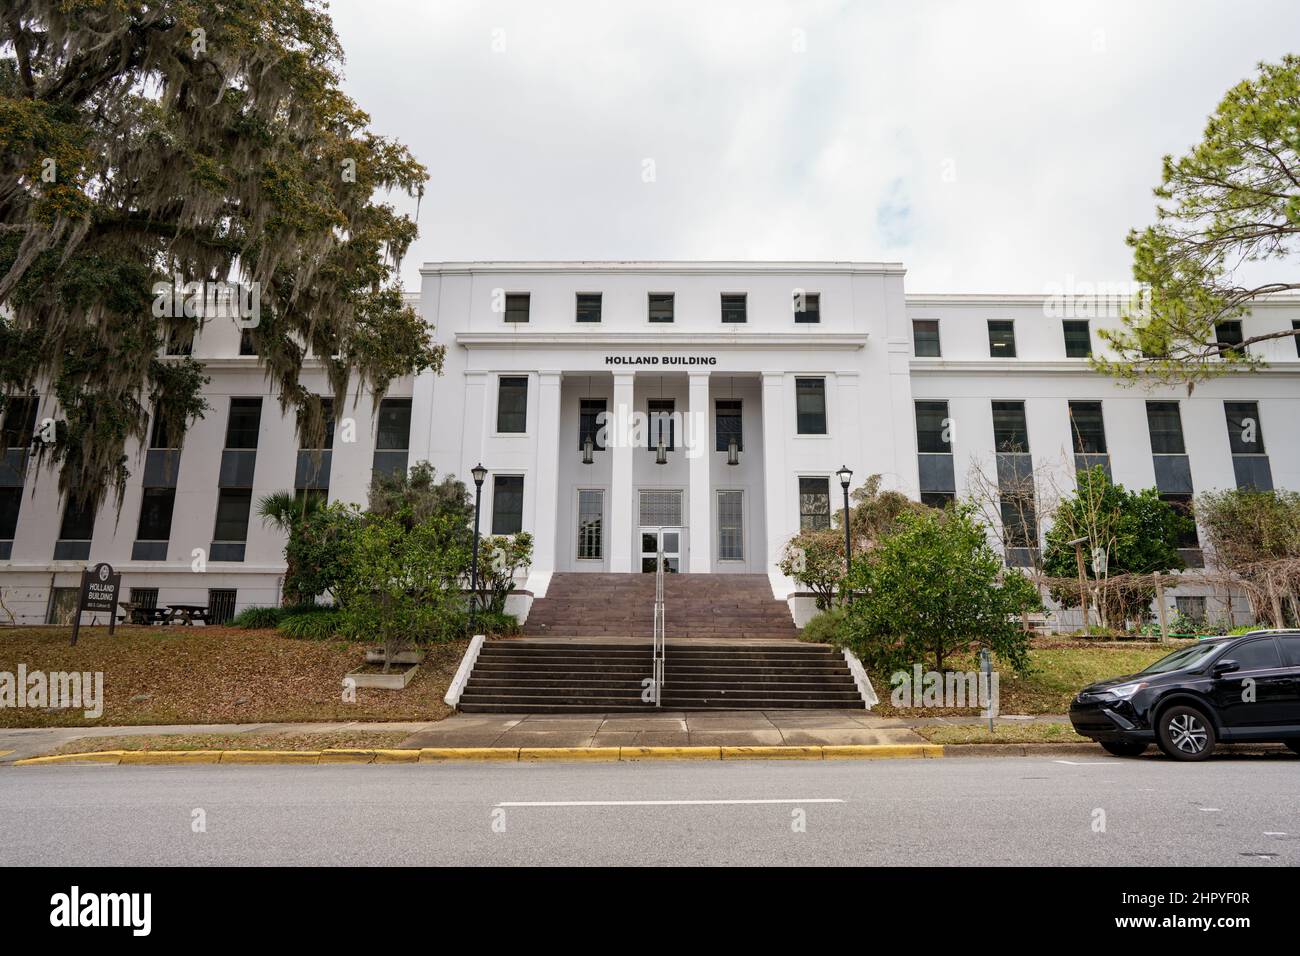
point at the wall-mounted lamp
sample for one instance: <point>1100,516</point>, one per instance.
<point>588,447</point>
<point>733,452</point>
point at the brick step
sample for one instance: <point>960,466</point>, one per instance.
<point>524,705</point>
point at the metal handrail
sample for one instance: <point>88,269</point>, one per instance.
<point>658,650</point>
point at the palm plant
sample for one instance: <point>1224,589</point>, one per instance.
<point>284,510</point>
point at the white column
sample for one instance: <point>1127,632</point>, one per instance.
<point>546,478</point>
<point>620,480</point>
<point>700,531</point>
<point>777,485</point>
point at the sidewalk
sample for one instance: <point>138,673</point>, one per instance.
<point>667,729</point>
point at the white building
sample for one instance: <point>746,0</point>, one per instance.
<point>806,366</point>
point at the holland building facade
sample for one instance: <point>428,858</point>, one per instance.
<point>626,407</point>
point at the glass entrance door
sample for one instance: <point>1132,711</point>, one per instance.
<point>670,540</point>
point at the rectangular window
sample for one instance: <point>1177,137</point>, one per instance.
<point>727,424</point>
<point>78,520</point>
<point>588,307</point>
<point>244,421</point>
<point>1087,428</point>
<point>1165,426</point>
<point>180,339</point>
<point>1245,435</point>
<point>733,307</point>
<point>517,307</point>
<point>512,404</point>
<point>63,605</point>
<point>156,514</point>
<point>1010,433</point>
<point>1002,338</point>
<point>327,435</point>
<point>233,506</point>
<point>1228,333</point>
<point>932,433</point>
<point>11,501</point>
<point>159,435</point>
<point>925,338</point>
<point>938,499</point>
<point>246,346</point>
<point>591,514</point>
<point>144,597</point>
<point>661,306</point>
<point>808,307</point>
<point>814,504</point>
<point>659,509</point>
<point>1078,340</point>
<point>1019,521</point>
<point>221,604</point>
<point>590,423</point>
<point>394,425</point>
<point>810,405</point>
<point>507,504</point>
<point>661,424</point>
<point>19,424</point>
<point>1192,608</point>
<point>731,526</point>
<point>1182,503</point>
<point>1295,327</point>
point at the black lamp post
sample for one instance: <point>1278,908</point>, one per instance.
<point>844,474</point>
<point>479,473</point>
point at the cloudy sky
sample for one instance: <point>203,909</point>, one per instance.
<point>989,146</point>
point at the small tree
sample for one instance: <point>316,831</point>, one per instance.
<point>1254,536</point>
<point>874,514</point>
<point>500,558</point>
<point>815,559</point>
<point>416,495</point>
<point>935,587</point>
<point>317,552</point>
<point>286,511</point>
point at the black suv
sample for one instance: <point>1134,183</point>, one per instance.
<point>1233,689</point>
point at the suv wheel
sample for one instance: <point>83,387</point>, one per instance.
<point>1185,733</point>
<point>1124,748</point>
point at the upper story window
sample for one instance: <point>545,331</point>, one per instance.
<point>1088,428</point>
<point>512,404</point>
<point>808,307</point>
<point>1244,432</point>
<point>1165,426</point>
<point>932,433</point>
<point>661,306</point>
<point>19,425</point>
<point>160,435</point>
<point>588,307</point>
<point>1295,327</point>
<point>925,338</point>
<point>394,429</point>
<point>814,504</point>
<point>662,426</point>
<point>244,422</point>
<point>507,504</point>
<point>810,405</point>
<point>1228,333</point>
<point>1010,433</point>
<point>327,426</point>
<point>180,339</point>
<point>727,424</point>
<point>246,346</point>
<point>591,423</point>
<point>1078,340</point>
<point>733,307</point>
<point>1002,338</point>
<point>517,306</point>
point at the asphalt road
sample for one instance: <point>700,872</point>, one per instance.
<point>960,812</point>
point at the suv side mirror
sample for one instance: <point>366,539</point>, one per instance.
<point>1224,667</point>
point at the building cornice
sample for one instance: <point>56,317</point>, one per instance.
<point>660,340</point>
<point>937,300</point>
<point>1052,367</point>
<point>715,267</point>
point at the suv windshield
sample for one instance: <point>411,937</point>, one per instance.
<point>1184,657</point>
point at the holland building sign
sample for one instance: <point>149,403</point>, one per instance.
<point>661,360</point>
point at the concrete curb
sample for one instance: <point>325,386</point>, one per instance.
<point>517,754</point>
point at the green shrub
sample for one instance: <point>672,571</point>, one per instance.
<point>258,617</point>
<point>317,625</point>
<point>496,623</point>
<point>828,627</point>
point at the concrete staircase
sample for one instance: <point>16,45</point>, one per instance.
<point>538,676</point>
<point>705,606</point>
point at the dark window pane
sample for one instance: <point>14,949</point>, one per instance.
<point>245,419</point>
<point>1009,431</point>
<point>1228,333</point>
<point>814,503</point>
<point>733,308</point>
<point>507,504</point>
<point>590,423</point>
<point>160,435</point>
<point>180,339</point>
<point>1078,342</point>
<point>727,424</point>
<point>1019,522</point>
<point>512,404</point>
<point>1295,325</point>
<point>517,307</point>
<point>938,499</point>
<point>659,412</point>
<point>931,427</point>
<point>925,338</point>
<point>1182,503</point>
<point>1087,428</point>
<point>327,437</point>
<point>1290,648</point>
<point>221,604</point>
<point>1245,434</point>
<point>78,520</point>
<point>246,346</point>
<point>1255,655</point>
<point>11,501</point>
<point>661,307</point>
<point>810,405</point>
<point>1166,428</point>
<point>156,514</point>
<point>808,307</point>
<point>588,307</point>
<point>233,506</point>
<point>19,421</point>
<point>1002,339</point>
<point>394,424</point>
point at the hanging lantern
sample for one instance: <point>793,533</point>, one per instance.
<point>661,452</point>
<point>733,452</point>
<point>588,447</point>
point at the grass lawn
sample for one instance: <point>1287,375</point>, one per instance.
<point>211,675</point>
<point>332,740</point>
<point>1056,675</point>
<point>1027,733</point>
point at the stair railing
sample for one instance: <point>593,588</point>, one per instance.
<point>659,641</point>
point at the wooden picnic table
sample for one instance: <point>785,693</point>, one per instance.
<point>144,614</point>
<point>187,614</point>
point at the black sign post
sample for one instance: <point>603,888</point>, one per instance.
<point>100,586</point>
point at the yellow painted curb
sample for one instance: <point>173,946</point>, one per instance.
<point>439,754</point>
<point>270,756</point>
<point>772,753</point>
<point>5,753</point>
<point>879,751</point>
<point>569,753</point>
<point>347,756</point>
<point>102,756</point>
<point>170,756</point>
<point>396,756</point>
<point>669,753</point>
